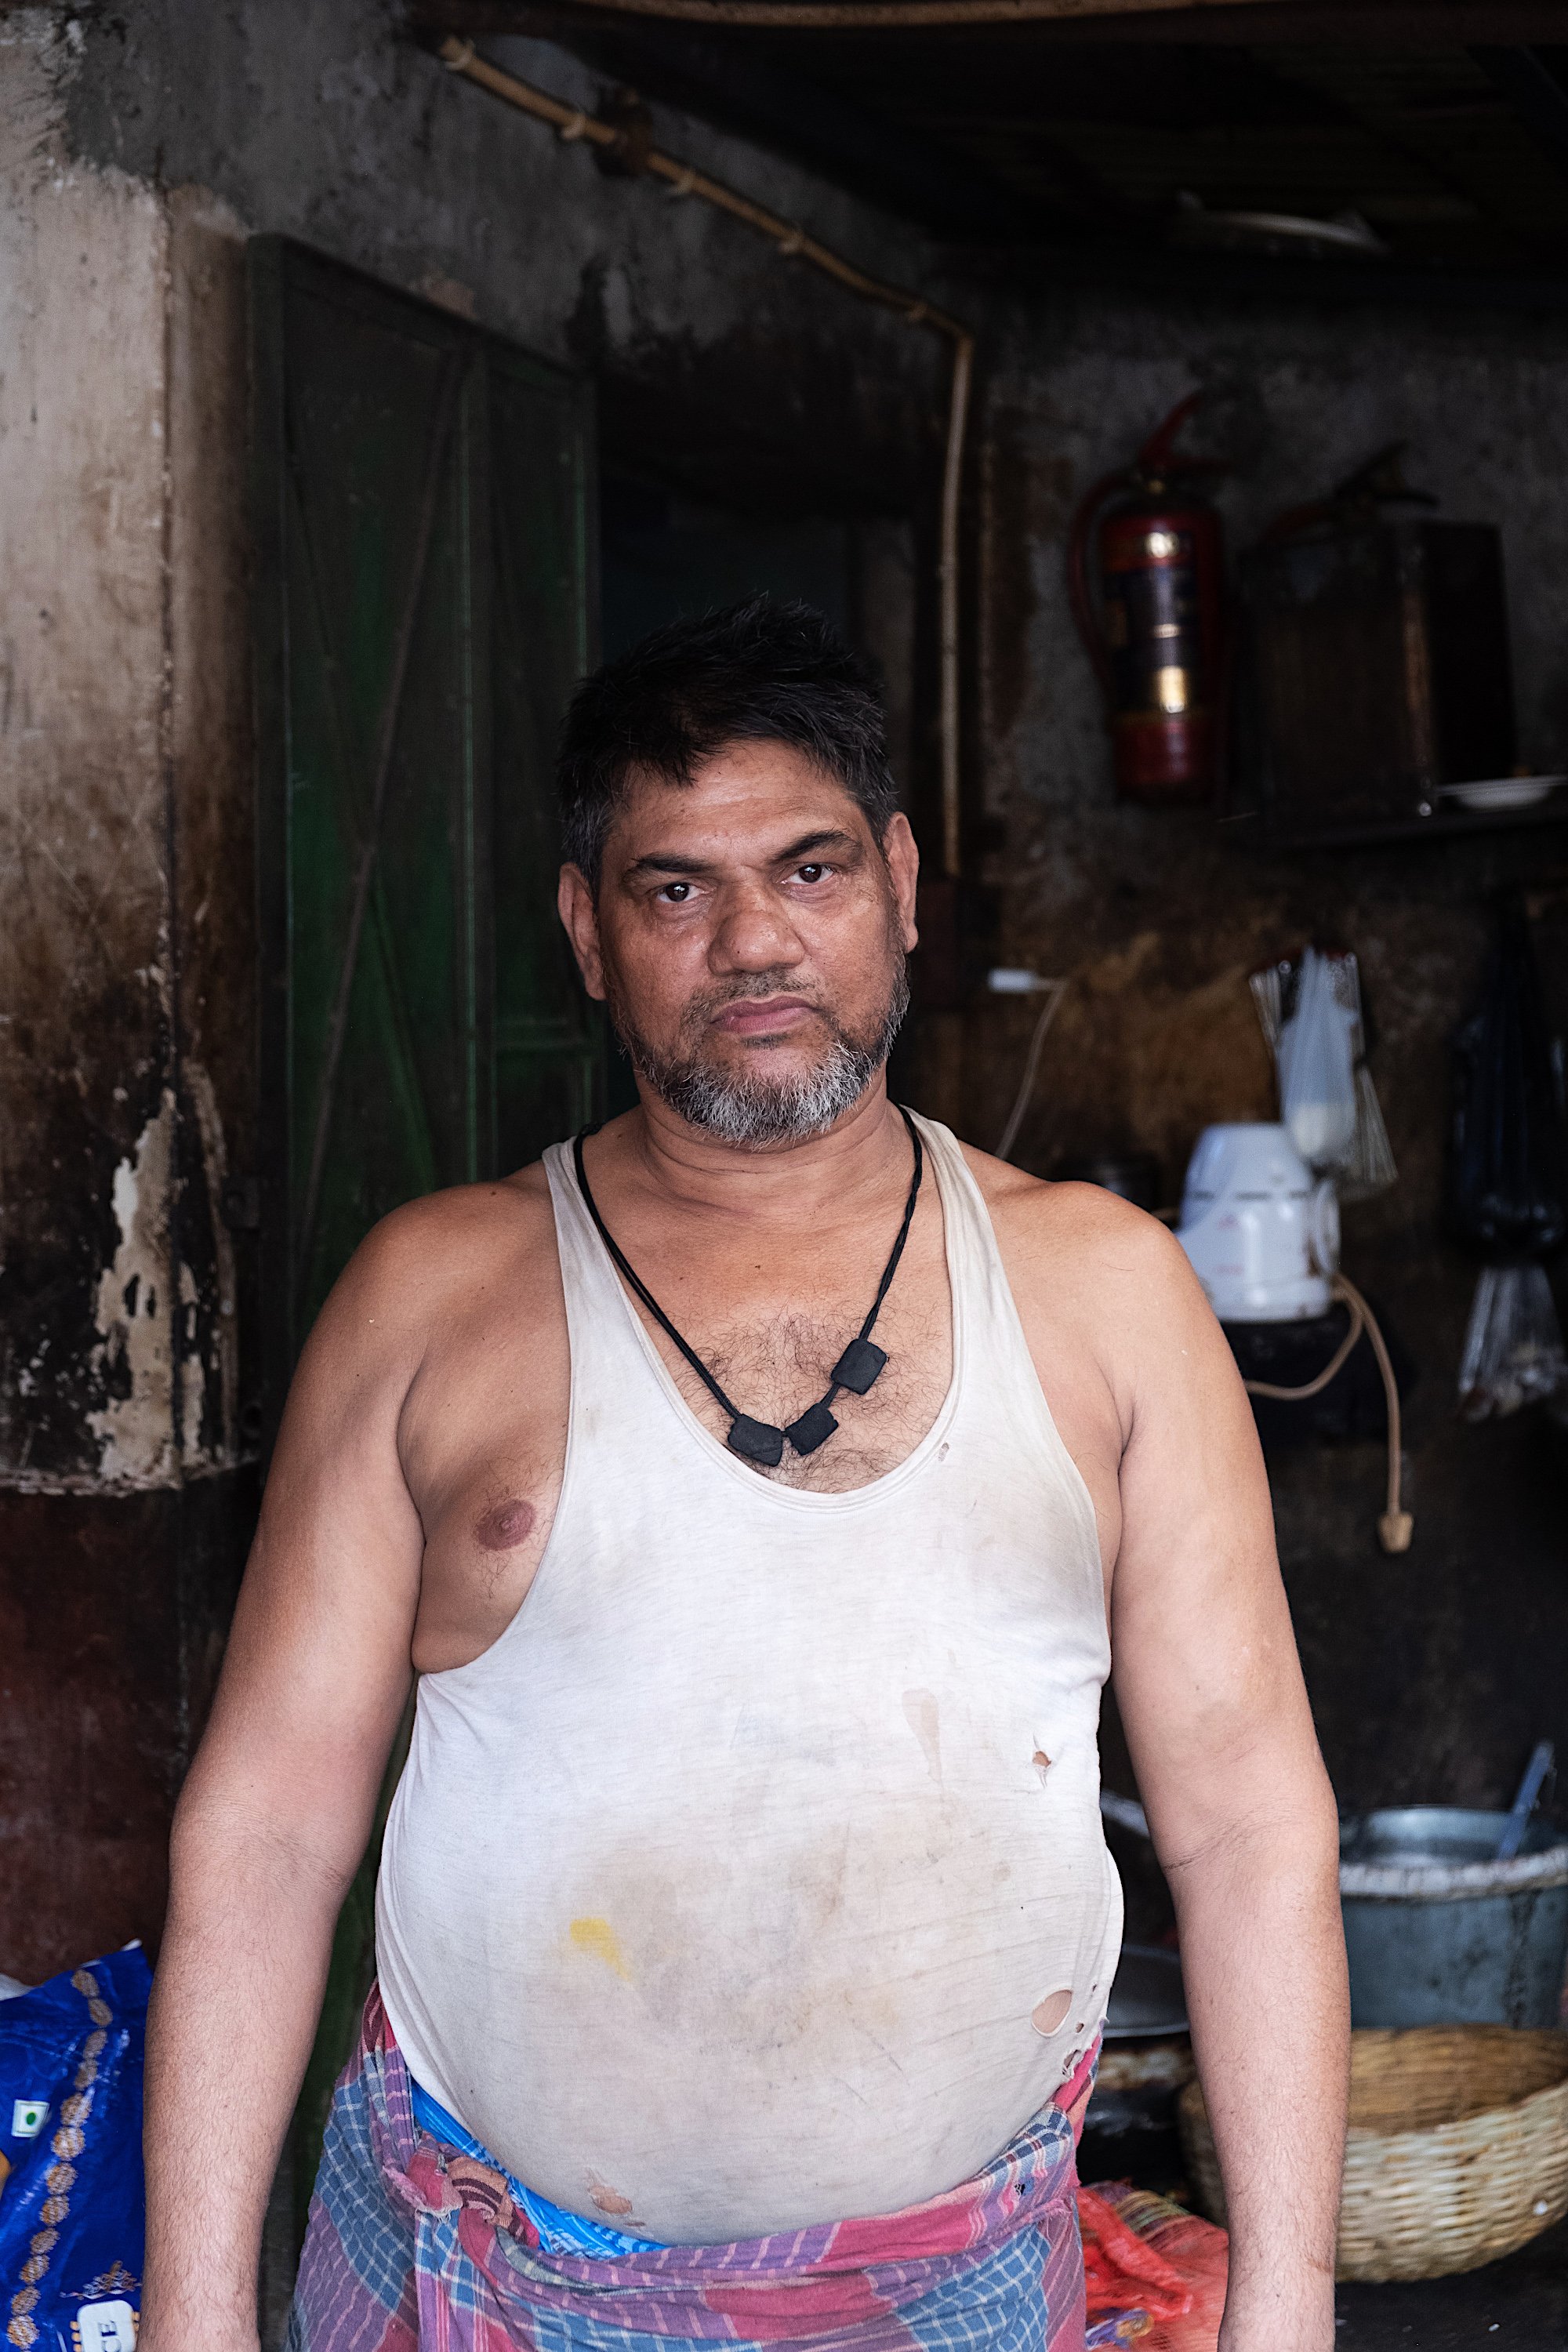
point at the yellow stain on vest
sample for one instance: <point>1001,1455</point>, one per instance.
<point>600,1941</point>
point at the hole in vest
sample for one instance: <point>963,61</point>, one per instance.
<point>1048,2015</point>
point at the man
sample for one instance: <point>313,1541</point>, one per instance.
<point>751,1489</point>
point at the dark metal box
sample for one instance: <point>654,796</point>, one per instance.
<point>1375,669</point>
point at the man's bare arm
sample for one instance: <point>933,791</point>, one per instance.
<point>277,1808</point>
<point>1241,1813</point>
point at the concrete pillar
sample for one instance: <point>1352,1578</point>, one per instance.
<point>126,1012</point>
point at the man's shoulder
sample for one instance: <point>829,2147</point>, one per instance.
<point>1080,1257</point>
<point>446,1228</point>
<point>1097,1228</point>
<point>427,1263</point>
<point>1089,1267</point>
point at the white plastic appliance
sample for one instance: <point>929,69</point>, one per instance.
<point>1262,1232</point>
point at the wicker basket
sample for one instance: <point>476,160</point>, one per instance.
<point>1457,2149</point>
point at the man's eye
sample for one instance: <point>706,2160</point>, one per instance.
<point>676,892</point>
<point>810,873</point>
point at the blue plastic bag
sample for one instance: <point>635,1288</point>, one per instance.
<point>72,2224</point>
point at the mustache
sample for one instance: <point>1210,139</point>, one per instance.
<point>754,1109</point>
<point>746,990</point>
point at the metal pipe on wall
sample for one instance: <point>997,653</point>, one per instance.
<point>573,123</point>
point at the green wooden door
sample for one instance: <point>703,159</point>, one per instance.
<point>423,510</point>
<point>423,506</point>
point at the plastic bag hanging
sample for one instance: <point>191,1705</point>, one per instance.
<point>1508,1180</point>
<point>1513,1344</point>
<point>1310,1015</point>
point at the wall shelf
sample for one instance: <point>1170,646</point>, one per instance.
<point>1251,828</point>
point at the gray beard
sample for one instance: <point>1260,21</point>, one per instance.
<point>754,1109</point>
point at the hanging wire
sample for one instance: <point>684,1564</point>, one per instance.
<point>1395,1526</point>
<point>1056,990</point>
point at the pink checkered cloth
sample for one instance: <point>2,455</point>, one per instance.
<point>411,2242</point>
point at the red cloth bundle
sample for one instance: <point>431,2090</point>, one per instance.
<point>1154,2267</point>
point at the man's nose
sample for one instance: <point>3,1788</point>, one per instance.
<point>754,932</point>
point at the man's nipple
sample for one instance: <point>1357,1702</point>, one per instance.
<point>506,1525</point>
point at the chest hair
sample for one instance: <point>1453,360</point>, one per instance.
<point>775,1371</point>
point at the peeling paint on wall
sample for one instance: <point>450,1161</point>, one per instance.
<point>134,1359</point>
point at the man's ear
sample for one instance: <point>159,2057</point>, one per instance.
<point>581,917</point>
<point>904,866</point>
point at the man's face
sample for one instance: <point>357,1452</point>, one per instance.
<point>749,937</point>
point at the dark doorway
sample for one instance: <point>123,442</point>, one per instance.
<point>665,554</point>
<point>666,551</point>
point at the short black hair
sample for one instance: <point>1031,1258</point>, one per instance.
<point>764,671</point>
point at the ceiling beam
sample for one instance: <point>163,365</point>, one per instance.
<point>1365,24</point>
<point>1358,23</point>
<point>1163,274</point>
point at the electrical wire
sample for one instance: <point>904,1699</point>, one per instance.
<point>1335,1365</point>
<point>1057,989</point>
<point>1396,1526</point>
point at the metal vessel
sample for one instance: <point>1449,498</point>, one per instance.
<point>1439,1932</point>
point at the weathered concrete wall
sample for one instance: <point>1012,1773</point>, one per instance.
<point>319,118</point>
<point>112,1609</point>
<point>84,976</point>
<point>126,1004</point>
<point>1433,1673</point>
<point>122,452</point>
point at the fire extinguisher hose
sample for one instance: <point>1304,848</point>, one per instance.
<point>1396,1526</point>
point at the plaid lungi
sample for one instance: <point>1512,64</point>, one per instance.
<point>411,2242</point>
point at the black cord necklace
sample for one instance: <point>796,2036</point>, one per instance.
<point>858,1367</point>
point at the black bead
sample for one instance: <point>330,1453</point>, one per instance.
<point>756,1441</point>
<point>858,1366</point>
<point>814,1428</point>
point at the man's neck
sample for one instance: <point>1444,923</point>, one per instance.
<point>858,1158</point>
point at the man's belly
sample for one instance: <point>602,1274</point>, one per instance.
<point>765,1973</point>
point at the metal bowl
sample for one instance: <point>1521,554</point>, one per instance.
<point>1146,1997</point>
<point>1439,1932</point>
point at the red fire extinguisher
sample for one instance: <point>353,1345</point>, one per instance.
<point>1157,640</point>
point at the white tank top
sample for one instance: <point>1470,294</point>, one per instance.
<point>728,1890</point>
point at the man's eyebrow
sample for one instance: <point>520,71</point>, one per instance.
<point>664,861</point>
<point>669,861</point>
<point>825,837</point>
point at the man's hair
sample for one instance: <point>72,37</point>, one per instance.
<point>758,672</point>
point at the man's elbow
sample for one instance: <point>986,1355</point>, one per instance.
<point>258,1845</point>
<point>1288,1827</point>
